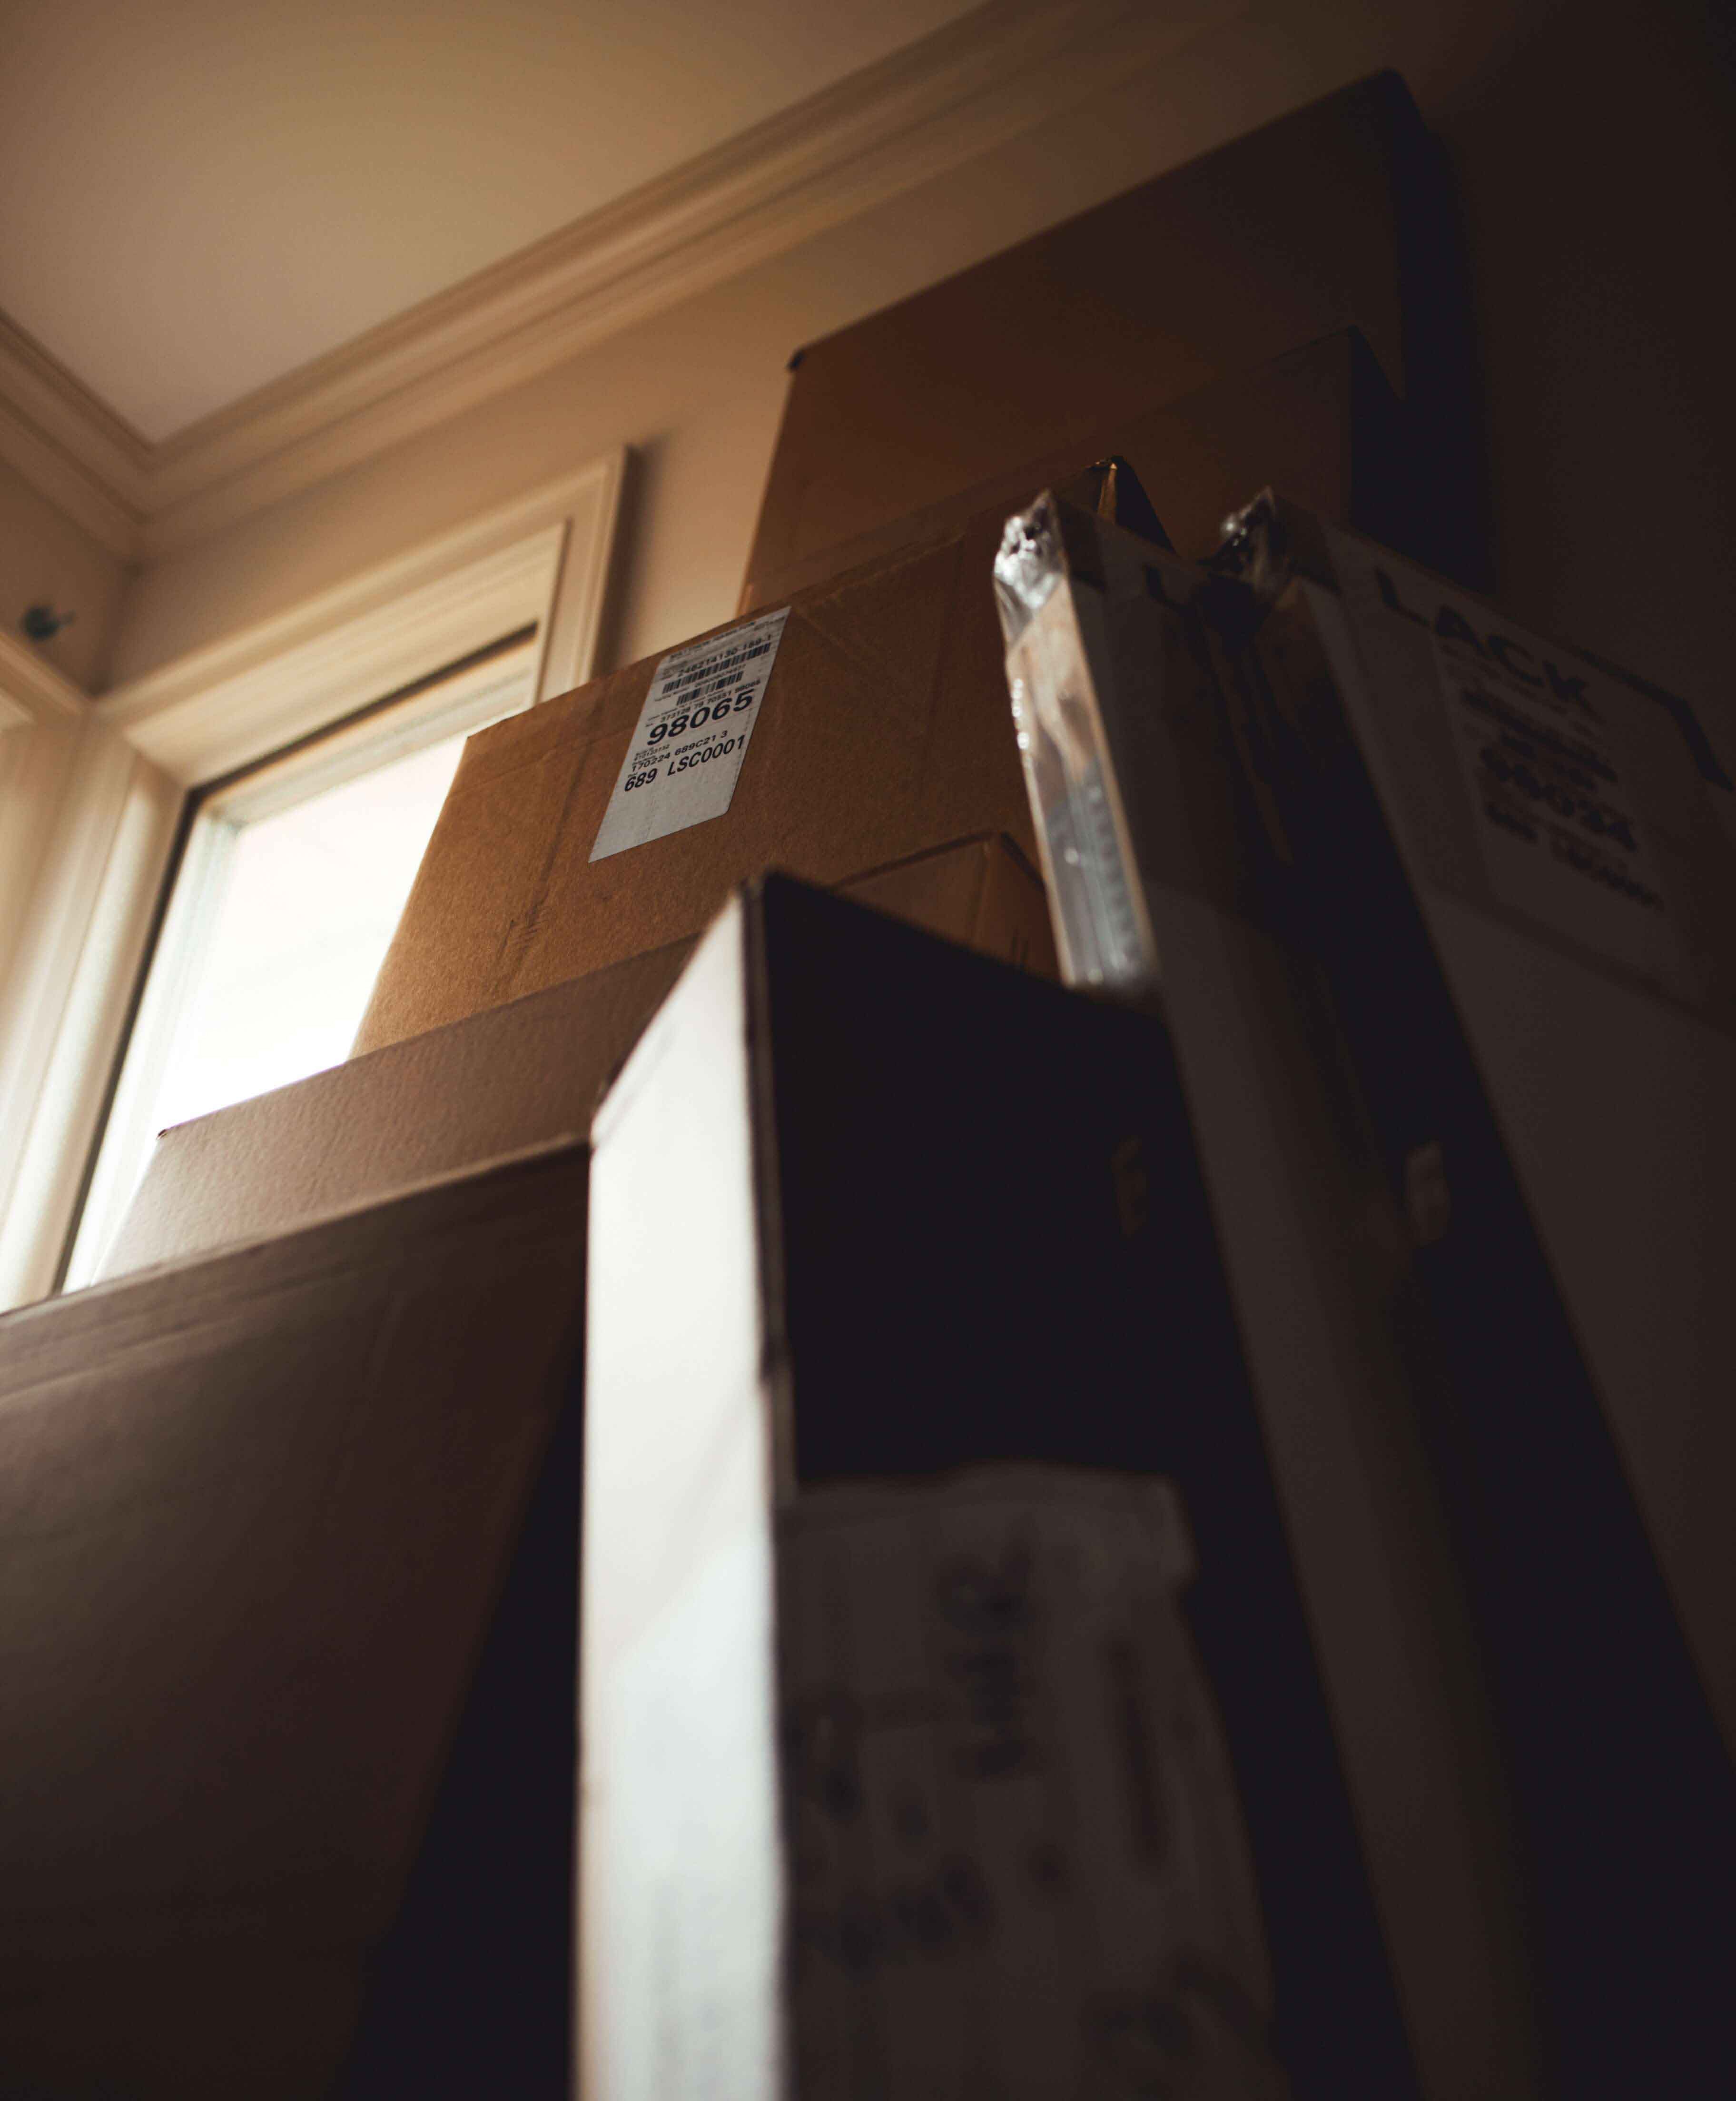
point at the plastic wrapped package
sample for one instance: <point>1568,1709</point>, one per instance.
<point>1163,895</point>
<point>1369,847</point>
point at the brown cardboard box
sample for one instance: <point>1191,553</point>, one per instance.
<point>288,1545</point>
<point>508,1078</point>
<point>982,893</point>
<point>1321,422</point>
<point>514,1076</point>
<point>884,731</point>
<point>1335,217</point>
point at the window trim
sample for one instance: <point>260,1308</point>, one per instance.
<point>192,892</point>
<point>115,774</point>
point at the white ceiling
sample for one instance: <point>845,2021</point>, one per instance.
<point>201,195</point>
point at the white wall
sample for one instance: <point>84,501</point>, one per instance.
<point>1597,168</point>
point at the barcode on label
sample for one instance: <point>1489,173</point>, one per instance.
<point>687,749</point>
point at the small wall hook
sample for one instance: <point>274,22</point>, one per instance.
<point>41,623</point>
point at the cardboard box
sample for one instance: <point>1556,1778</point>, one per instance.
<point>866,1208</point>
<point>1283,768</point>
<point>288,1557</point>
<point>882,733</point>
<point>516,1075</point>
<point>983,893</point>
<point>1321,421</point>
<point>1337,216</point>
<point>511,1077</point>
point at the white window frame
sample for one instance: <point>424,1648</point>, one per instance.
<point>96,791</point>
<point>455,704</point>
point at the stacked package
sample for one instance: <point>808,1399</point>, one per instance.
<point>1397,872</point>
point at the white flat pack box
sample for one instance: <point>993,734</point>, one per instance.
<point>951,1722</point>
<point>1430,903</point>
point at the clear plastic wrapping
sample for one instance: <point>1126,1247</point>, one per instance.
<point>1116,703</point>
<point>1101,930</point>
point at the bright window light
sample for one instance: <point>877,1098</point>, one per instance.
<point>310,901</point>
<point>286,900</point>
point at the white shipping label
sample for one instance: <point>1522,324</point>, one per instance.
<point>1017,1865</point>
<point>1544,743</point>
<point>686,755</point>
<point>1561,837</point>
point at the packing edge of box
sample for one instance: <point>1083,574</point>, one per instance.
<point>1008,917</point>
<point>294,1943</point>
<point>509,1077</point>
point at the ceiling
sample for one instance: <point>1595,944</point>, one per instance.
<point>202,195</point>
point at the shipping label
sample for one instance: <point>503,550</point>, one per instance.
<point>685,753</point>
<point>1542,751</point>
<point>1560,835</point>
<point>1017,1861</point>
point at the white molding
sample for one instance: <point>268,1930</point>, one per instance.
<point>542,558</point>
<point>590,505</point>
<point>31,690</point>
<point>69,444</point>
<point>66,993</point>
<point>987,77</point>
<point>197,735</point>
<point>459,703</point>
<point>37,765</point>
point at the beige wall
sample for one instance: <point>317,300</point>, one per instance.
<point>1591,152</point>
<point>1597,170</point>
<point>46,559</point>
<point>697,391</point>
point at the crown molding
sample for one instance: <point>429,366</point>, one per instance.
<point>987,77</point>
<point>71,445</point>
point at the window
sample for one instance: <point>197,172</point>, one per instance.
<point>179,765</point>
<point>281,906</point>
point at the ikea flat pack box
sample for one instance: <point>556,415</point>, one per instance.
<point>856,724</point>
<point>1153,862</point>
<point>1379,853</point>
<point>287,1568</point>
<point>508,1077</point>
<point>951,1718</point>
